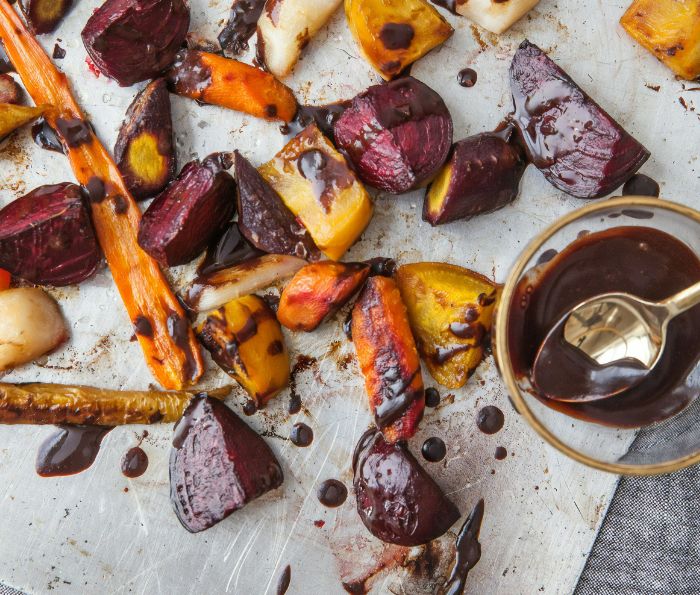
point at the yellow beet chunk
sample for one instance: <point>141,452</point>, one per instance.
<point>395,33</point>
<point>670,29</point>
<point>246,341</point>
<point>317,185</point>
<point>450,309</point>
<point>145,160</point>
<point>13,116</point>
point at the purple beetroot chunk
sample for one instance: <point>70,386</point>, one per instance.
<point>396,134</point>
<point>576,144</point>
<point>136,40</point>
<point>47,238</point>
<point>396,498</point>
<point>44,16</point>
<point>218,464</point>
<point>190,213</point>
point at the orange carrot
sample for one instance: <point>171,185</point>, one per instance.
<point>166,337</point>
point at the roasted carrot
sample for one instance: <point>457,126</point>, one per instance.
<point>165,335</point>
<point>5,279</point>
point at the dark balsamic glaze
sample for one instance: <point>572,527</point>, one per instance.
<point>179,330</point>
<point>434,449</point>
<point>468,551</point>
<point>95,189</point>
<point>143,326</point>
<point>134,462</point>
<point>228,250</point>
<point>301,435</point>
<point>397,396</point>
<point>639,260</point>
<point>467,77</point>
<point>501,453</point>
<point>450,5</point>
<point>70,450</point>
<point>324,116</point>
<point>432,397</point>
<point>249,407</point>
<point>641,185</point>
<point>327,176</point>
<point>286,576</point>
<point>46,137</point>
<point>332,493</point>
<point>547,255</point>
<point>304,362</point>
<point>188,75</point>
<point>490,419</point>
<point>74,131</point>
<point>396,36</point>
<point>381,266</point>
<point>58,52</point>
<point>241,25</point>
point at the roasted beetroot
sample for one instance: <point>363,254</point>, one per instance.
<point>46,237</point>
<point>226,251</point>
<point>265,220</point>
<point>10,91</point>
<point>396,498</point>
<point>144,152</point>
<point>192,211</point>
<point>482,175</point>
<point>240,26</point>
<point>43,16</point>
<point>218,464</point>
<point>397,135</point>
<point>135,40</point>
<point>578,147</point>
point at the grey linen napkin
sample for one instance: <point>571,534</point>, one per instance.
<point>5,590</point>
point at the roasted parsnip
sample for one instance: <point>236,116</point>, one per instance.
<point>13,116</point>
<point>496,16</point>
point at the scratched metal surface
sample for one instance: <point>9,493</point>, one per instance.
<point>89,534</point>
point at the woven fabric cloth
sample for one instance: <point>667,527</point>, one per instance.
<point>5,590</point>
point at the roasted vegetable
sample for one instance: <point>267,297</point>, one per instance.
<point>397,135</point>
<point>396,498</point>
<point>213,79</point>
<point>285,29</point>
<point>5,279</point>
<point>482,175</point>
<point>10,91</point>
<point>246,341</point>
<point>317,185</point>
<point>61,404</point>
<point>44,16</point>
<point>171,350</point>
<point>217,465</point>
<point>670,29</point>
<point>388,359</point>
<point>144,151</point>
<point>136,40</point>
<point>5,62</point>
<point>46,237</point>
<point>496,16</point>
<point>196,208</point>
<point>240,26</point>
<point>450,310</point>
<point>31,325</point>
<point>265,220</point>
<point>212,291</point>
<point>578,147</point>
<point>317,292</point>
<point>13,116</point>
<point>228,250</point>
<point>395,33</point>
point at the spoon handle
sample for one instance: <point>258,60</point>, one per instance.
<point>683,300</point>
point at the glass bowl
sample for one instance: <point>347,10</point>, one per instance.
<point>661,447</point>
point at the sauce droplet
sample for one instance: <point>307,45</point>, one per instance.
<point>70,450</point>
<point>285,579</point>
<point>249,408</point>
<point>134,462</point>
<point>332,493</point>
<point>641,185</point>
<point>490,419</point>
<point>301,435</point>
<point>432,397</point>
<point>468,551</point>
<point>434,450</point>
<point>467,77</point>
<point>501,453</point>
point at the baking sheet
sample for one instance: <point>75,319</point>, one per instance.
<point>87,533</point>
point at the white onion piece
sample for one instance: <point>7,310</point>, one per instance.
<point>31,325</point>
<point>213,291</point>
<point>494,16</point>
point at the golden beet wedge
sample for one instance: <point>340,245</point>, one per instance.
<point>670,29</point>
<point>450,309</point>
<point>246,341</point>
<point>395,33</point>
<point>213,79</point>
<point>388,359</point>
<point>317,185</point>
<point>13,116</point>
<point>317,292</point>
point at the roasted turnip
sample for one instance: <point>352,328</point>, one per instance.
<point>46,237</point>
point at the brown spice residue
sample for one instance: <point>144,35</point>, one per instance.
<point>476,34</point>
<point>653,87</point>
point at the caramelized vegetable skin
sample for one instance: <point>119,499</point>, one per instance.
<point>240,26</point>
<point>496,16</point>
<point>173,356</point>
<point>450,310</point>
<point>395,33</point>
<point>228,83</point>
<point>10,91</point>
<point>13,116</point>
<point>246,341</point>
<point>144,152</point>
<point>317,292</point>
<point>44,16</point>
<point>318,186</point>
<point>62,404</point>
<point>5,279</point>
<point>670,29</point>
<point>388,359</point>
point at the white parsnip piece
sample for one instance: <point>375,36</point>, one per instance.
<point>495,16</point>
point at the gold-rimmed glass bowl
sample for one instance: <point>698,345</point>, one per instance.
<point>662,447</point>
